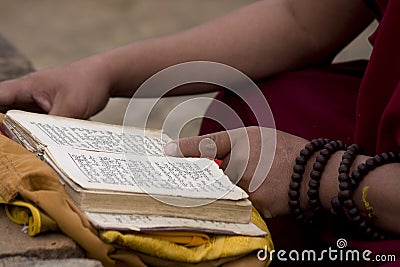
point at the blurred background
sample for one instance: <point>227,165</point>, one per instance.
<point>54,32</point>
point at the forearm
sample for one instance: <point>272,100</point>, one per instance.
<point>262,39</point>
<point>383,191</point>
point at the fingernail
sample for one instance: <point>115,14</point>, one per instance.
<point>171,149</point>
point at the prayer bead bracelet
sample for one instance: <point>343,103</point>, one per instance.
<point>297,176</point>
<point>343,202</point>
<point>316,174</point>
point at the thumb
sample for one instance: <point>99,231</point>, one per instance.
<point>216,145</point>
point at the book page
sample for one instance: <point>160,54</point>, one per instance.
<point>53,130</point>
<point>185,177</point>
<point>148,223</point>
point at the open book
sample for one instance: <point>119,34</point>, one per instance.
<point>123,170</point>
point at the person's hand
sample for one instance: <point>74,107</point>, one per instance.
<point>249,160</point>
<point>78,90</point>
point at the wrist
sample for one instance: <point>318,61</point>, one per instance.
<point>98,69</point>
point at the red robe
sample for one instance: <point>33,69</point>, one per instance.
<point>355,102</point>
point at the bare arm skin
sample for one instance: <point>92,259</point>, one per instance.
<point>261,39</point>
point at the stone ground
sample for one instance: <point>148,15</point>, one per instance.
<point>52,32</point>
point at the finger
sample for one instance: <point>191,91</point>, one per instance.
<point>19,94</point>
<point>216,145</point>
<point>8,92</point>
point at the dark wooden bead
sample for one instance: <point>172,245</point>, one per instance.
<point>301,160</point>
<point>352,212</point>
<point>294,195</point>
<point>393,156</point>
<point>344,168</point>
<point>346,162</point>
<point>316,142</point>
<point>322,159</point>
<point>348,203</point>
<point>341,144</point>
<point>356,175</point>
<point>306,153</point>
<point>363,169</point>
<point>330,147</point>
<point>336,207</point>
<point>294,185</point>
<point>345,186</point>
<point>318,166</point>
<point>378,160</point>
<point>344,194</point>
<point>321,141</point>
<point>325,153</point>
<point>335,202</point>
<point>312,193</point>
<point>351,153</point>
<point>343,177</point>
<point>348,156</point>
<point>299,168</point>
<point>297,211</point>
<point>310,146</point>
<point>294,203</point>
<point>353,147</point>
<point>370,163</point>
<point>315,175</point>
<point>297,177</point>
<point>385,157</point>
<point>353,183</point>
<point>313,184</point>
<point>314,202</point>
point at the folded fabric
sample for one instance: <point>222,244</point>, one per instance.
<point>33,195</point>
<point>181,246</point>
<point>218,246</point>
<point>24,213</point>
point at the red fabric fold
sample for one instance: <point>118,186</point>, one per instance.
<point>378,99</point>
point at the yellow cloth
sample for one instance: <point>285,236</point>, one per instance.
<point>24,213</point>
<point>33,195</point>
<point>179,246</point>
